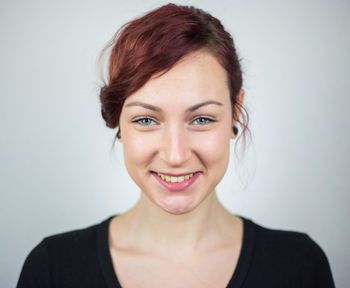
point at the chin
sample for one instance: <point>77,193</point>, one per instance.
<point>177,211</point>
<point>178,206</point>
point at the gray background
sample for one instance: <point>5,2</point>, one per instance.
<point>57,171</point>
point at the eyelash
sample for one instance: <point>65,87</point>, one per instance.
<point>208,120</point>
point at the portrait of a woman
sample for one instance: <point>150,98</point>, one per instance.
<point>175,96</point>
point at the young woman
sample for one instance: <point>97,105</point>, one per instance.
<point>175,94</point>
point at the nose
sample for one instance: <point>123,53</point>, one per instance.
<point>175,147</point>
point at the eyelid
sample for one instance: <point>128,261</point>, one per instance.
<point>211,119</point>
<point>136,120</point>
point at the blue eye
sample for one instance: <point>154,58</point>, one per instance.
<point>144,121</point>
<point>203,120</point>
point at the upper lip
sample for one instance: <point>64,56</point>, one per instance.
<point>176,175</point>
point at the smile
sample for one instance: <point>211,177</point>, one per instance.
<point>174,179</point>
<point>176,183</point>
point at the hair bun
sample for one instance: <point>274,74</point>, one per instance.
<point>109,107</point>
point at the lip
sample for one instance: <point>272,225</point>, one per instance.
<point>175,175</point>
<point>180,186</point>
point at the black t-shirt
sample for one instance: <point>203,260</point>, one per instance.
<point>269,258</point>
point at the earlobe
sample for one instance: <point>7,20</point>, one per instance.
<point>238,107</point>
<point>234,132</point>
<point>119,136</point>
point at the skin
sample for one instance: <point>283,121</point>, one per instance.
<point>174,140</point>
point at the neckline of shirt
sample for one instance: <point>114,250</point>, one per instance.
<point>237,279</point>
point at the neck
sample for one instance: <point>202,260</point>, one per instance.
<point>154,229</point>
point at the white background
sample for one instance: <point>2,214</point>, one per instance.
<point>57,171</point>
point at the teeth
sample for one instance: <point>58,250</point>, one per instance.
<point>174,179</point>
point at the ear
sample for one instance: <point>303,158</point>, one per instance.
<point>119,135</point>
<point>240,99</point>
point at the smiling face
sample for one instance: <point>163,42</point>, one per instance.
<point>176,125</point>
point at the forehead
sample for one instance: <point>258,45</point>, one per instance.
<point>197,77</point>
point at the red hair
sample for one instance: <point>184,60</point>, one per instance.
<point>154,43</point>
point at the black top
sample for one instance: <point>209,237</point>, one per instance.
<point>269,258</point>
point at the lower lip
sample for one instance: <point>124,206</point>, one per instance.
<point>179,186</point>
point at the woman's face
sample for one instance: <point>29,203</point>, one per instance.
<point>177,125</point>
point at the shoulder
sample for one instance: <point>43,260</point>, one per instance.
<point>278,247</point>
<point>69,241</point>
<point>65,256</point>
<point>73,240</point>
<point>65,246</point>
<point>292,244</point>
<point>289,255</point>
<point>279,240</point>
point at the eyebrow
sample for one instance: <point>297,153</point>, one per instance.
<point>157,109</point>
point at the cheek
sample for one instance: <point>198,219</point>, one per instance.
<point>214,147</point>
<point>136,149</point>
